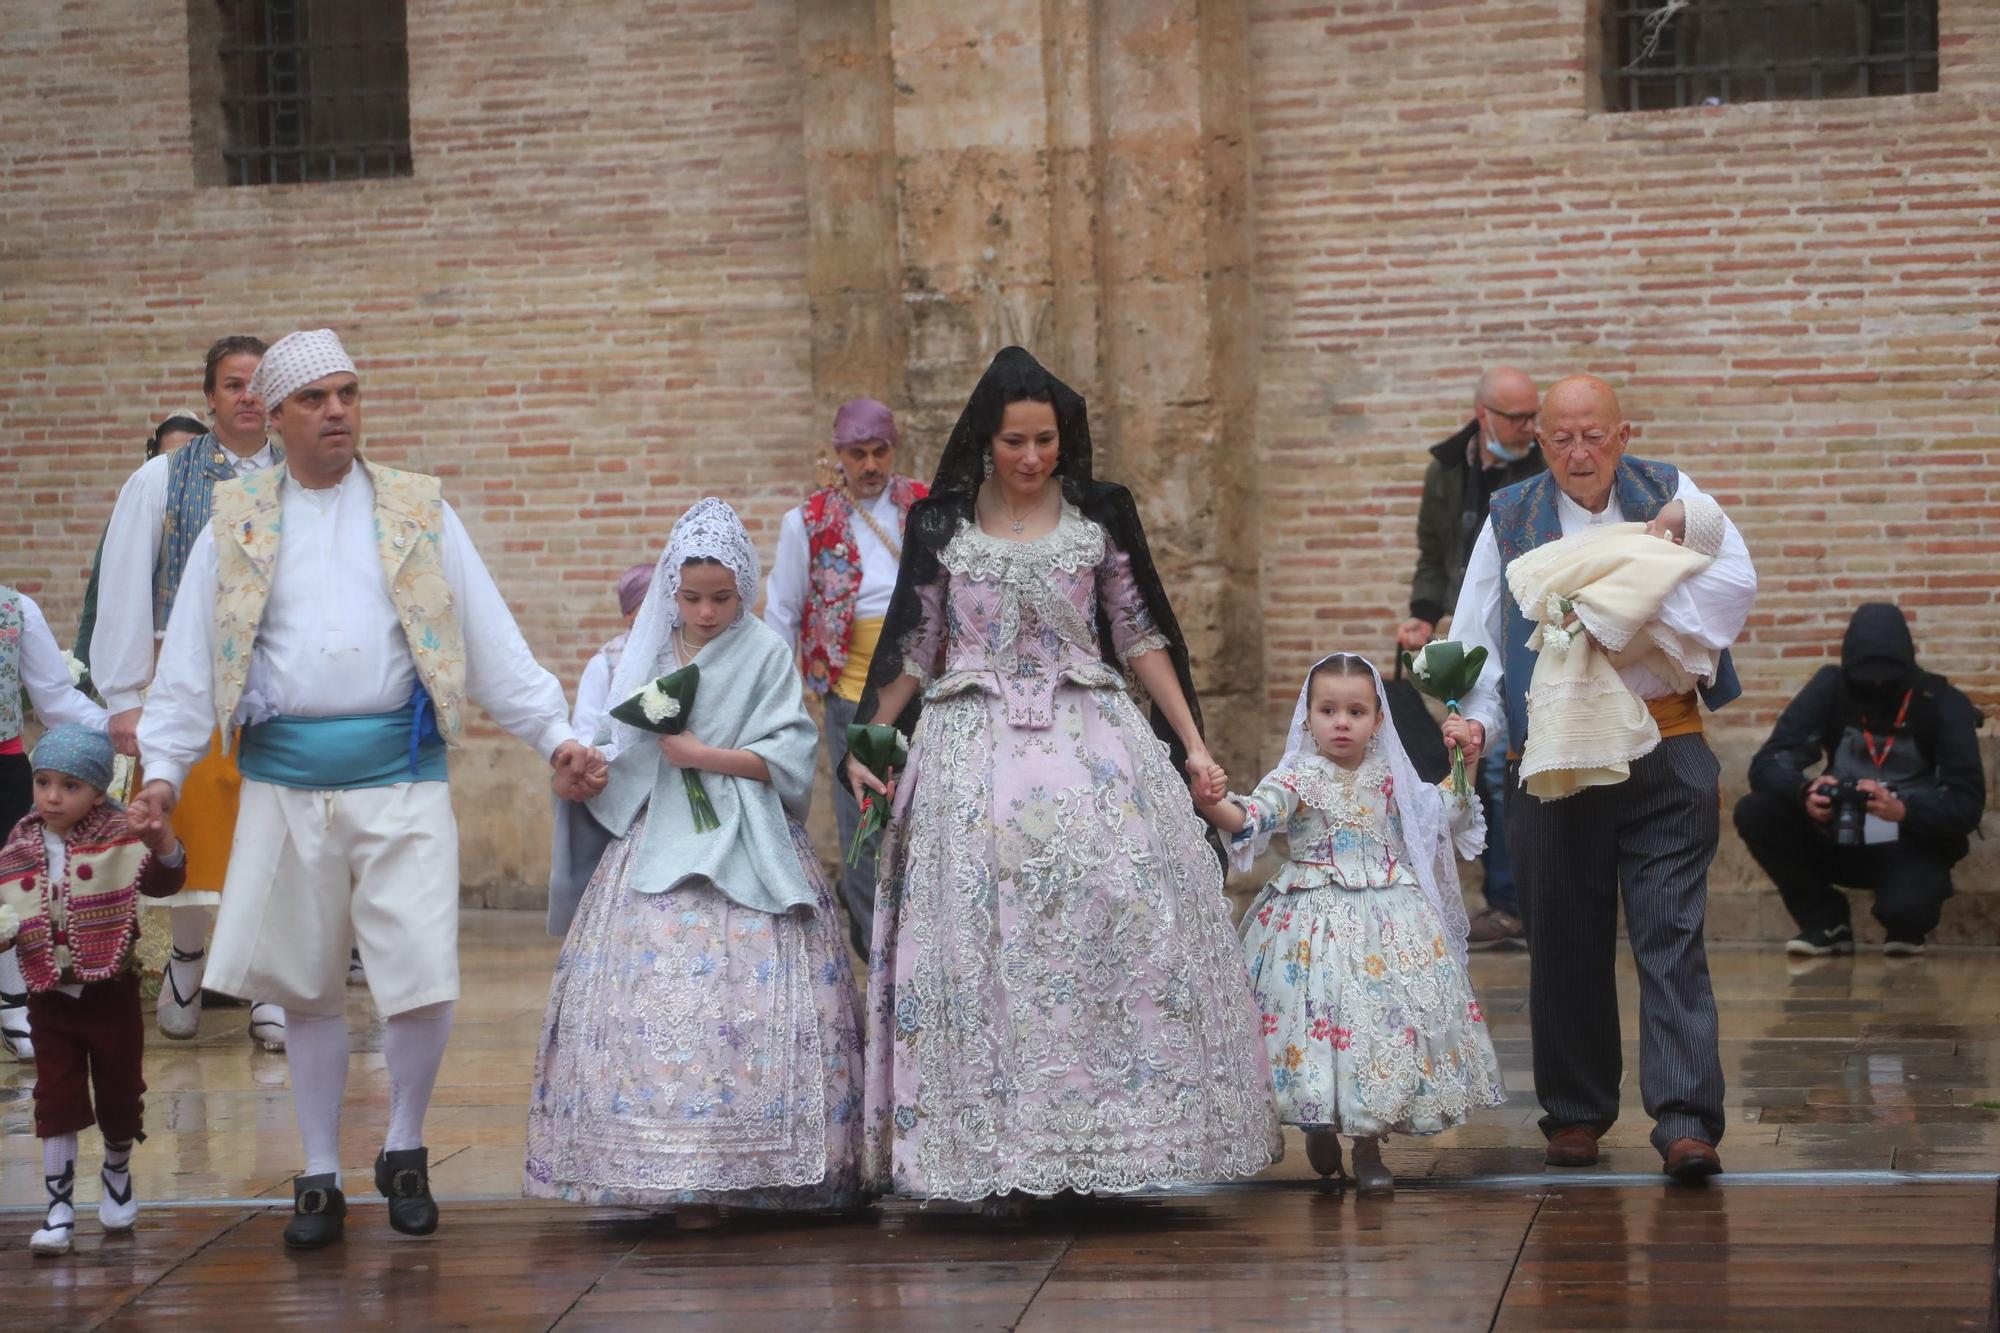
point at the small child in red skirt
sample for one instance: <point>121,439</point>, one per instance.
<point>70,878</point>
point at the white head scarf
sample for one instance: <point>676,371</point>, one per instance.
<point>708,531</point>
<point>296,360</point>
<point>1429,850</point>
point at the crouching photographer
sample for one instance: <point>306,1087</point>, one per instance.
<point>1899,793</point>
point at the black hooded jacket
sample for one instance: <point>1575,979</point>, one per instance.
<point>1933,755</point>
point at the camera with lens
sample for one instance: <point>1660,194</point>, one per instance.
<point>1850,812</point>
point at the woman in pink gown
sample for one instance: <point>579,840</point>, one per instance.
<point>1056,997</point>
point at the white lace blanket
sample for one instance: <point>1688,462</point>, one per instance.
<point>1585,725</point>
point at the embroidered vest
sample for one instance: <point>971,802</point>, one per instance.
<point>1524,517</point>
<point>100,889</point>
<point>192,473</point>
<point>833,563</point>
<point>10,663</point>
<point>409,534</point>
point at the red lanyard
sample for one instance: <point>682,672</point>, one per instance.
<point>1868,737</point>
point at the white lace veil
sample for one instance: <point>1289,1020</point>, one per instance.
<point>710,530</point>
<point>1430,849</point>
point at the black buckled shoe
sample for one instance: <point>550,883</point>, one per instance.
<point>404,1179</point>
<point>319,1212</point>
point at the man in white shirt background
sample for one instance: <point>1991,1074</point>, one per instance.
<point>828,594</point>
<point>161,510</point>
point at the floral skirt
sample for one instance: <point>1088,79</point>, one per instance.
<point>696,1051</point>
<point>1056,998</point>
<point>1369,1020</point>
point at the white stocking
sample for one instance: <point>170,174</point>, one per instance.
<point>11,980</point>
<point>413,1048</point>
<point>316,1053</point>
<point>59,1180</point>
<point>189,926</point>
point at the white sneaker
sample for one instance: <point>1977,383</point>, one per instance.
<point>117,1210</point>
<point>178,1012</point>
<point>15,1037</point>
<point>267,1025</point>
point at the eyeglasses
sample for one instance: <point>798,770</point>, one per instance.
<point>1515,419</point>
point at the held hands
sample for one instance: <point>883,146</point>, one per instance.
<point>124,728</point>
<point>147,814</point>
<point>1819,805</point>
<point>1462,733</point>
<point>580,772</point>
<point>1208,783</point>
<point>1414,633</point>
<point>1670,523</point>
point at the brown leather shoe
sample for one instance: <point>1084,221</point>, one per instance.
<point>1691,1161</point>
<point>1495,929</point>
<point>1573,1145</point>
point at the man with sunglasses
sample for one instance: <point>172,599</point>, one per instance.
<point>1490,453</point>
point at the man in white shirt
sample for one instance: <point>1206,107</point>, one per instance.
<point>1650,837</point>
<point>335,617</point>
<point>828,594</point>
<point>161,509</point>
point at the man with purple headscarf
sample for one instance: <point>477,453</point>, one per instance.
<point>827,594</point>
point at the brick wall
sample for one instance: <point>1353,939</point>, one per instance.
<point>589,298</point>
<point>1797,301</point>
<point>601,292</point>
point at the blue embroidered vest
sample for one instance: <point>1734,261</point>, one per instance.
<point>1524,517</point>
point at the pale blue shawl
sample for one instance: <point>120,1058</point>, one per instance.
<point>750,698</point>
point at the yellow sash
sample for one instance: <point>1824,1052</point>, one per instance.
<point>1676,715</point>
<point>860,652</point>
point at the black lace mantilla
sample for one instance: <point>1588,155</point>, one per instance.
<point>934,521</point>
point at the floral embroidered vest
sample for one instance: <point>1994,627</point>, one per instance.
<point>409,534</point>
<point>10,663</point>
<point>1524,517</point>
<point>100,890</point>
<point>826,624</point>
<point>192,474</point>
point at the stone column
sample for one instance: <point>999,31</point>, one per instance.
<point>1069,175</point>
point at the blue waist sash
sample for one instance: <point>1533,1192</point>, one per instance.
<point>346,753</point>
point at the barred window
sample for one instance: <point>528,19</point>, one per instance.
<point>313,90</point>
<point>1671,53</point>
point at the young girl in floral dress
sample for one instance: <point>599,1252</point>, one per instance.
<point>1356,946</point>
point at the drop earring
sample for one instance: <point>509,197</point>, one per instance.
<point>986,463</point>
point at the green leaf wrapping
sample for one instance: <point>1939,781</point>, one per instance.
<point>680,687</point>
<point>881,750</point>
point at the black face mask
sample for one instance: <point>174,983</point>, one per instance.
<point>1876,696</point>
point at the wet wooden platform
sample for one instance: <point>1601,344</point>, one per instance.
<point>1889,1070</point>
<point>1287,1256</point>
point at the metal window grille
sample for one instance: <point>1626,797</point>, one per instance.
<point>1713,52</point>
<point>314,90</point>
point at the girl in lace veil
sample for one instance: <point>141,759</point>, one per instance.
<point>1356,946</point>
<point>704,980</point>
<point>1056,1000</point>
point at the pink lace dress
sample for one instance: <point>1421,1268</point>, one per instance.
<point>1056,997</point>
